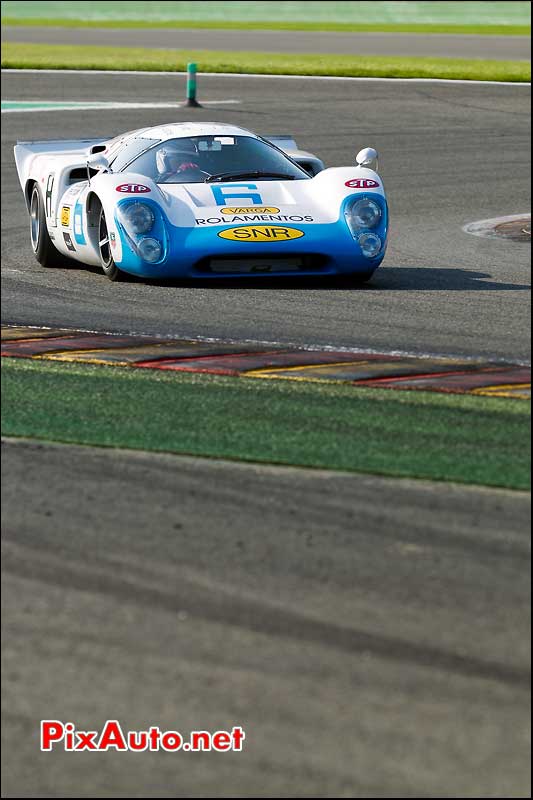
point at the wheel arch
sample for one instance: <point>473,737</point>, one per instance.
<point>94,203</point>
<point>93,207</point>
<point>28,189</point>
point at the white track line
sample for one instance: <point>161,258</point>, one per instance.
<point>257,75</point>
<point>95,106</point>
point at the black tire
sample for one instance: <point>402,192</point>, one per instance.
<point>362,277</point>
<point>42,246</point>
<point>109,267</point>
<point>355,278</point>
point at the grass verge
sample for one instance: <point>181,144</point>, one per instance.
<point>16,55</point>
<point>275,25</point>
<point>334,426</point>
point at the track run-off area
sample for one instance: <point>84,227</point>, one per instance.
<point>443,45</point>
<point>370,634</point>
<point>450,154</point>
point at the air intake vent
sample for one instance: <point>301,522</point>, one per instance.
<point>263,264</point>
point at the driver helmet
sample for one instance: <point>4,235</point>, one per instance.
<point>172,155</point>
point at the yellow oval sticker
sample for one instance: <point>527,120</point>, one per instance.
<point>251,210</point>
<point>261,233</point>
<point>65,216</point>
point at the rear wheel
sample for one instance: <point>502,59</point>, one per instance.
<point>104,246</point>
<point>44,251</point>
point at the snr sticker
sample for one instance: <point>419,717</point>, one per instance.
<point>261,233</point>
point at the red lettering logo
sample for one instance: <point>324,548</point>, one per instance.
<point>112,736</point>
<point>54,731</point>
<point>86,740</point>
<point>362,183</point>
<point>132,188</point>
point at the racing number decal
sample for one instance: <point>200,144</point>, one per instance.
<point>224,193</point>
<point>48,196</point>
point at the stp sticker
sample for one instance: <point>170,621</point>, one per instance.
<point>132,188</point>
<point>362,183</point>
<point>261,233</point>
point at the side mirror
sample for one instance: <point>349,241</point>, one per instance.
<point>98,162</point>
<point>367,158</point>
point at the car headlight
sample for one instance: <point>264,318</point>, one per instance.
<point>137,217</point>
<point>150,250</point>
<point>362,213</point>
<point>370,244</point>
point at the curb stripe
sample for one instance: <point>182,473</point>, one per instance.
<point>255,360</point>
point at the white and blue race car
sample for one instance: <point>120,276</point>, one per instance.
<point>202,200</point>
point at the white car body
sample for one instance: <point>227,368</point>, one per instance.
<point>197,217</point>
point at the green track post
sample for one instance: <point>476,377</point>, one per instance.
<point>191,101</point>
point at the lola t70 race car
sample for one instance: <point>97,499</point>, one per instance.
<point>201,200</point>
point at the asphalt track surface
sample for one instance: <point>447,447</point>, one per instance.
<point>367,649</point>
<point>370,635</point>
<point>509,48</point>
<point>450,154</point>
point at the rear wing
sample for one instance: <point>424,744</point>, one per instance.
<point>311,163</point>
<point>25,152</point>
<point>284,141</point>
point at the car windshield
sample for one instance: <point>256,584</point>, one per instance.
<point>200,159</point>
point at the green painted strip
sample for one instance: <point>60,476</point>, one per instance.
<point>19,105</point>
<point>377,12</point>
<point>458,438</point>
<point>471,30</point>
<point>16,106</point>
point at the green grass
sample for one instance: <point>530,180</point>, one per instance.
<point>444,437</point>
<point>39,56</point>
<point>383,14</point>
<point>347,27</point>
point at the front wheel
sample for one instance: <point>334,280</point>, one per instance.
<point>355,278</point>
<point>359,278</point>
<point>109,267</point>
